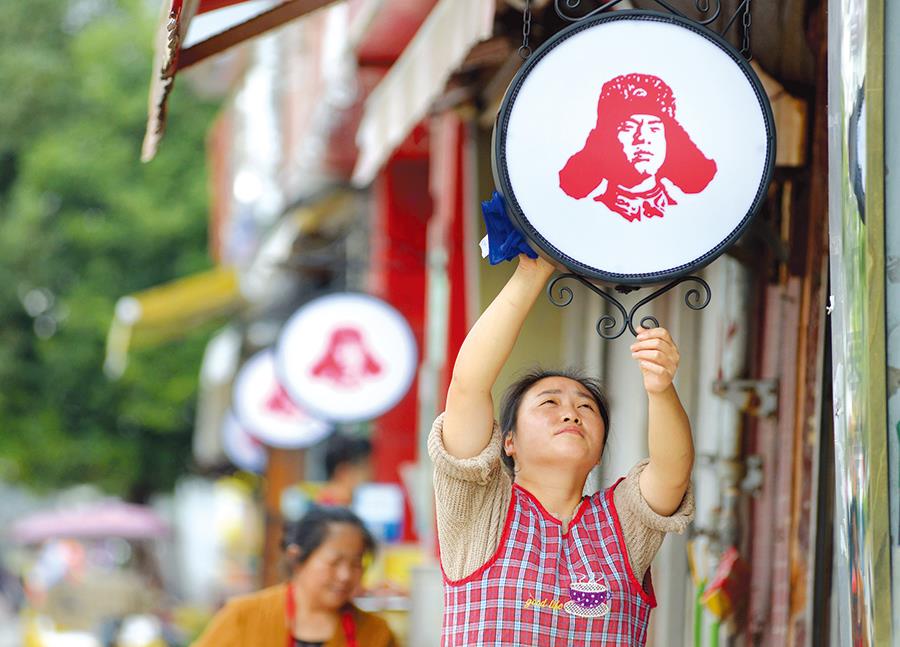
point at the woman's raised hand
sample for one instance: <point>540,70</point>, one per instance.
<point>469,416</point>
<point>666,477</point>
<point>540,268</point>
<point>657,355</point>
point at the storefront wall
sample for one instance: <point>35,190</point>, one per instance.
<point>779,526</point>
<point>714,347</point>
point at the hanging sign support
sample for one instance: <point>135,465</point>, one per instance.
<point>709,10</point>
<point>609,326</point>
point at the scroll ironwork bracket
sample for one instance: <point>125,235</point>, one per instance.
<point>613,326</point>
<point>709,11</point>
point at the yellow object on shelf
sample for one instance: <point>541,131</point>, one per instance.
<point>729,588</point>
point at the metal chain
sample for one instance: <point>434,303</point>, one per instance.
<point>746,21</point>
<point>525,49</point>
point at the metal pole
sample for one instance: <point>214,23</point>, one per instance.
<point>856,240</point>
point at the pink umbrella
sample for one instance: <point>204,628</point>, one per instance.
<point>97,520</point>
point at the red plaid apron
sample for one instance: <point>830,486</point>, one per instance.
<point>544,587</point>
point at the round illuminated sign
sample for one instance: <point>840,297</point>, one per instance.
<point>266,411</point>
<point>243,450</point>
<point>347,357</point>
<point>634,147</point>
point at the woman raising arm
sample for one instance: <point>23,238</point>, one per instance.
<point>526,557</point>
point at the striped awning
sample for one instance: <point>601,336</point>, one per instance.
<point>407,92</point>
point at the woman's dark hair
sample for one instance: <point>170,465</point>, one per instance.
<point>310,531</point>
<point>342,449</point>
<point>512,399</point>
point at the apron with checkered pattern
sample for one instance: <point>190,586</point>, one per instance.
<point>545,587</point>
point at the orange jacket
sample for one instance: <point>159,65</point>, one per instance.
<point>258,620</point>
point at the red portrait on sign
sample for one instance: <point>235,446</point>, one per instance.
<point>638,147</point>
<point>346,361</point>
<point>280,403</point>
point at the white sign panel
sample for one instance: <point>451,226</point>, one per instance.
<point>266,411</point>
<point>347,357</point>
<point>634,147</point>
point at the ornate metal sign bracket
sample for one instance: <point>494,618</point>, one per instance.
<point>709,10</point>
<point>610,326</point>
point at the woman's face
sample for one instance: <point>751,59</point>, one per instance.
<point>558,424</point>
<point>332,573</point>
<point>643,140</point>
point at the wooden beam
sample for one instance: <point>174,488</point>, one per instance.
<point>213,5</point>
<point>791,115</point>
<point>487,53</point>
<point>495,88</point>
<point>266,21</point>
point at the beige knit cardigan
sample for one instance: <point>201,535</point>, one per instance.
<point>472,497</point>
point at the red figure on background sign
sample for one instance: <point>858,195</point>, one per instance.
<point>347,361</point>
<point>280,402</point>
<point>639,149</point>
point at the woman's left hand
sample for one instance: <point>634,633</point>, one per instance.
<point>657,356</point>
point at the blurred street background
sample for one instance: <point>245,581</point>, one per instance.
<point>178,178</point>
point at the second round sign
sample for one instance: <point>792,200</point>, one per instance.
<point>346,357</point>
<point>265,410</point>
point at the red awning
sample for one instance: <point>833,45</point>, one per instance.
<point>171,56</point>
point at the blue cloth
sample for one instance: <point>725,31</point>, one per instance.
<point>504,241</point>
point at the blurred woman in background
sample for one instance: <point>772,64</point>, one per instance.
<point>324,552</point>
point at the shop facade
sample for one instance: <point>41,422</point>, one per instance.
<point>354,153</point>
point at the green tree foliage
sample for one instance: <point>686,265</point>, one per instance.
<point>84,223</point>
